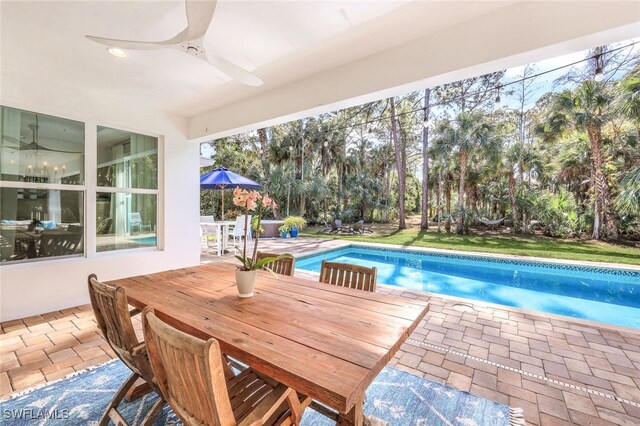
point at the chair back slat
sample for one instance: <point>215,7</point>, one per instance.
<point>284,266</point>
<point>239,227</point>
<point>114,321</point>
<point>350,276</point>
<point>189,372</point>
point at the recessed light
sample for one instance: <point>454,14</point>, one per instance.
<point>117,52</point>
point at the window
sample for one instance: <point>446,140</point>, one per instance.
<point>42,180</point>
<point>127,197</point>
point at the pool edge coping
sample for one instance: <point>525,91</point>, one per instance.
<point>475,254</point>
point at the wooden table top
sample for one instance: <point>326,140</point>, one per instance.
<point>324,341</point>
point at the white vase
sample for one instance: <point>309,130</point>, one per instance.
<point>246,282</point>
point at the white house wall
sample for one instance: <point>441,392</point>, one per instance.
<point>43,286</point>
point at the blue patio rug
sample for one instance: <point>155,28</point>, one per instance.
<point>396,397</point>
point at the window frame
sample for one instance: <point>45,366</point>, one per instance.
<point>90,189</point>
<point>52,186</point>
<point>158,192</point>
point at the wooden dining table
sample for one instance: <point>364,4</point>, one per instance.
<point>326,342</point>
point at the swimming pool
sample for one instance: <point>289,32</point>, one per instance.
<point>599,294</point>
<point>147,241</point>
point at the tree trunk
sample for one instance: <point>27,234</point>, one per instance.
<point>387,192</point>
<point>339,195</point>
<point>447,195</point>
<point>424,222</point>
<point>439,200</point>
<point>288,198</point>
<point>512,197</point>
<point>464,155</point>
<point>262,138</point>
<point>399,164</point>
<point>603,206</point>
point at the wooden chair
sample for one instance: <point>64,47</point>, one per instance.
<point>351,276</point>
<point>190,374</point>
<point>114,320</point>
<point>286,266</point>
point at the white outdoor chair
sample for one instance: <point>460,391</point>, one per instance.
<point>135,221</point>
<point>238,231</point>
<point>210,239</point>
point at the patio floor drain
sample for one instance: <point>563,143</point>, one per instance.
<point>525,373</point>
<point>461,307</point>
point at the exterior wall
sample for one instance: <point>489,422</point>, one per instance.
<point>43,286</point>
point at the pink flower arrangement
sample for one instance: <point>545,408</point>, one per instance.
<point>249,200</point>
<point>252,201</point>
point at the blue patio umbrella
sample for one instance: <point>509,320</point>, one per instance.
<point>223,178</point>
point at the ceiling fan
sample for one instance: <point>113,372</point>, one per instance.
<point>190,41</point>
<point>34,145</point>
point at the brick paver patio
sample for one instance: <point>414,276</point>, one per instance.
<point>559,370</point>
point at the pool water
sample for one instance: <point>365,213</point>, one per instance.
<point>599,294</point>
<point>147,241</point>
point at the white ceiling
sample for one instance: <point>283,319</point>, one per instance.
<point>280,41</point>
<point>313,56</point>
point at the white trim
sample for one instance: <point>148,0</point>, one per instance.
<point>48,186</point>
<point>138,155</point>
<point>160,207</point>
<point>90,179</point>
<point>114,190</point>
<point>109,253</point>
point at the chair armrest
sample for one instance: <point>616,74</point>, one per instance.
<point>265,408</point>
<point>273,403</point>
<point>138,349</point>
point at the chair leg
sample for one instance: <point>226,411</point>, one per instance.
<point>111,412</point>
<point>153,413</point>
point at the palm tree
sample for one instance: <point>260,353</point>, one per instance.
<point>628,102</point>
<point>587,108</point>
<point>628,200</point>
<point>442,167</point>
<point>468,133</point>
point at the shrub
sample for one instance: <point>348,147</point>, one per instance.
<point>295,222</point>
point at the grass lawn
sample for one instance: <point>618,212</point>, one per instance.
<point>495,243</point>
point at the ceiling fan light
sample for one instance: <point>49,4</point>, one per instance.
<point>117,52</point>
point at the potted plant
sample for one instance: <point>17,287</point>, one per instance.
<point>295,224</point>
<point>246,272</point>
<point>284,230</point>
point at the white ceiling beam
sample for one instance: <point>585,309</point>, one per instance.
<point>520,33</point>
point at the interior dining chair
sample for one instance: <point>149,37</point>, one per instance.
<point>114,321</point>
<point>190,374</point>
<point>350,276</point>
<point>285,266</point>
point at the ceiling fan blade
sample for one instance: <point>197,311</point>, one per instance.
<point>234,71</point>
<point>199,16</point>
<point>42,148</point>
<point>131,44</point>
<point>13,140</point>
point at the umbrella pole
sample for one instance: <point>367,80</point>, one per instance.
<point>222,192</point>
